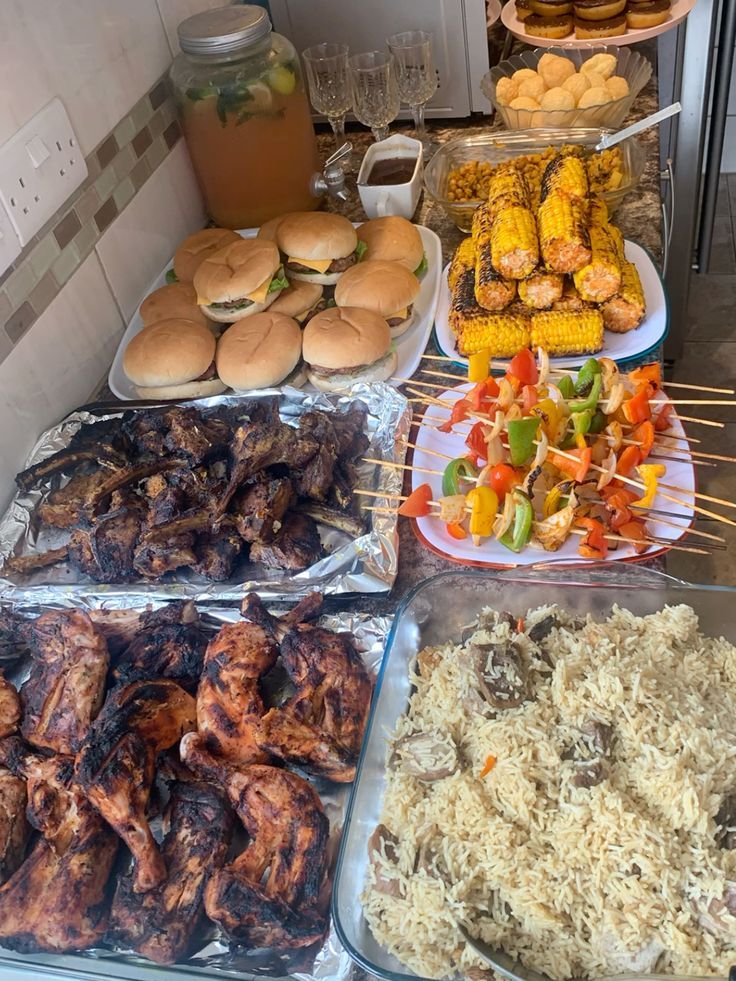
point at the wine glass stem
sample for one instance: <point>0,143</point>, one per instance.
<point>418,114</point>
<point>338,128</point>
<point>379,133</point>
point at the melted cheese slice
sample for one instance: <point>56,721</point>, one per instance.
<point>202,301</point>
<point>259,295</point>
<point>319,265</point>
<point>403,313</point>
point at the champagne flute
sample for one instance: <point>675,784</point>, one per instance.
<point>415,73</point>
<point>375,93</point>
<point>326,67</point>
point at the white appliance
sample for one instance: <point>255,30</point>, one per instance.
<point>458,26</point>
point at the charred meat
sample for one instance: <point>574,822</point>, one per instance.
<point>168,644</point>
<point>296,545</point>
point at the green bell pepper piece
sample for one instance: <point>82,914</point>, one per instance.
<point>581,422</point>
<point>455,471</point>
<point>522,433</point>
<point>599,422</point>
<point>171,277</point>
<point>566,387</point>
<point>521,530</point>
<point>591,399</point>
<point>589,371</point>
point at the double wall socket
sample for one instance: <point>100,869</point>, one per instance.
<point>39,168</point>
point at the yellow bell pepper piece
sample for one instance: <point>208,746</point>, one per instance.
<point>551,415</point>
<point>483,504</point>
<point>650,474</point>
<point>479,365</point>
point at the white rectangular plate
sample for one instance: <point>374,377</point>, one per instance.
<point>491,554</point>
<point>619,347</point>
<point>409,347</point>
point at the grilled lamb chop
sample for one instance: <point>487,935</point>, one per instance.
<point>195,438</point>
<point>168,644</point>
<point>160,924</point>
<point>315,478</point>
<point>104,547</point>
<point>217,554</point>
<point>25,565</point>
<point>65,507</point>
<point>115,766</point>
<point>64,691</point>
<point>155,559</point>
<point>259,507</point>
<point>101,442</point>
<point>295,546</point>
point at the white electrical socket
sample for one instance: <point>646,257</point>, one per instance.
<point>40,166</point>
<point>10,247</point>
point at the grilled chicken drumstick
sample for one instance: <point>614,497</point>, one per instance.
<point>160,924</point>
<point>115,766</point>
<point>69,661</point>
<point>9,707</point>
<point>272,894</point>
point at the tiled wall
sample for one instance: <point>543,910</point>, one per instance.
<point>65,301</point>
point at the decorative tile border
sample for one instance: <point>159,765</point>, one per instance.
<point>118,168</point>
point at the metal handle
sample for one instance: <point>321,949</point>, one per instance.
<point>332,179</point>
<point>611,139</point>
<point>667,175</point>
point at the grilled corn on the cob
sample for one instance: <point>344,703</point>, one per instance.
<point>565,175</point>
<point>462,259</point>
<point>514,244</point>
<point>625,311</point>
<point>492,291</point>
<point>570,301</point>
<point>508,188</point>
<point>563,233</point>
<point>600,278</point>
<point>541,289</point>
<point>567,333</point>
<point>505,334</point>
<point>598,211</point>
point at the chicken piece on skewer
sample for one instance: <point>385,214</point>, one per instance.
<point>9,707</point>
<point>273,894</point>
<point>228,698</point>
<point>160,924</point>
<point>115,766</point>
<point>168,644</point>
<point>55,901</point>
<point>63,694</point>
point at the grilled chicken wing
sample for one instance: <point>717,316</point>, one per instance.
<point>115,766</point>
<point>66,685</point>
<point>168,644</point>
<point>9,707</point>
<point>55,901</point>
<point>14,829</point>
<point>273,894</point>
<point>159,924</point>
<point>228,697</point>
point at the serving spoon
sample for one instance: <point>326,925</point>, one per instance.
<point>611,139</point>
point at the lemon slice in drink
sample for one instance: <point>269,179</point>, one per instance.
<point>282,80</point>
<point>261,97</point>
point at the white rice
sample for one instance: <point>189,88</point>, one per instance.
<point>622,876</point>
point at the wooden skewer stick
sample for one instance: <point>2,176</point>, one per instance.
<point>686,530</point>
<point>424,449</point>
<point>372,493</point>
<point>401,466</point>
<point>680,439</point>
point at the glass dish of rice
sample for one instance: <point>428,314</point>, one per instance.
<point>550,766</point>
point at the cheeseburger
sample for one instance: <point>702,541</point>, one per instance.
<point>262,351</point>
<point>178,300</point>
<point>318,246</point>
<point>242,279</point>
<point>173,359</point>
<point>196,248</point>
<point>345,345</point>
<point>301,301</point>
<point>395,240</point>
<point>385,288</point>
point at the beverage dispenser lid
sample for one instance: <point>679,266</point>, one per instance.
<point>224,29</point>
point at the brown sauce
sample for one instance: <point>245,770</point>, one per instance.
<point>391,170</point>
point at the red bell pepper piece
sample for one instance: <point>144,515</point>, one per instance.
<point>456,531</point>
<point>524,367</point>
<point>578,468</point>
<point>644,436</point>
<point>620,515</point>
<point>635,529</point>
<point>662,419</point>
<point>619,497</point>
<point>630,458</point>
<point>417,503</point>
<point>637,408</point>
<point>460,410</point>
<point>482,393</point>
<point>594,545</point>
<point>476,441</point>
<point>529,399</point>
<point>650,373</point>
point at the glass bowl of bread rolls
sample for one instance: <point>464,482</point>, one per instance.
<point>561,87</point>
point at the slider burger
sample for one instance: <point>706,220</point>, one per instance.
<point>178,300</point>
<point>242,279</point>
<point>197,247</point>
<point>394,239</point>
<point>262,351</point>
<point>318,246</point>
<point>386,288</point>
<point>345,345</point>
<point>173,359</point>
<point>301,301</point>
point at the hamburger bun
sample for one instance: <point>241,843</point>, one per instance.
<point>197,247</point>
<point>393,239</point>
<point>315,235</point>
<point>177,300</point>
<point>228,276</point>
<point>386,288</point>
<point>345,345</point>
<point>259,352</point>
<point>173,359</point>
<point>298,299</point>
<point>268,228</point>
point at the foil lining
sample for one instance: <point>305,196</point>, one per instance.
<point>214,958</point>
<point>367,564</point>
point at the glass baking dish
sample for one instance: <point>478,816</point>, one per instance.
<point>435,613</point>
<point>496,148</point>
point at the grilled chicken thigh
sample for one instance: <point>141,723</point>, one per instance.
<point>159,924</point>
<point>69,661</point>
<point>115,766</point>
<point>9,707</point>
<point>14,828</point>
<point>168,644</point>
